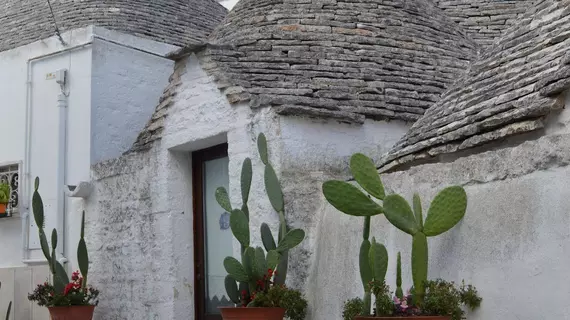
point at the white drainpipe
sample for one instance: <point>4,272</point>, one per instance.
<point>61,169</point>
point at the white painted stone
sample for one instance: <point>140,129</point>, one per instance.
<point>158,182</point>
<point>114,82</point>
<point>512,244</point>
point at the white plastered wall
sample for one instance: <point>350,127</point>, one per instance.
<point>158,182</point>
<point>513,243</point>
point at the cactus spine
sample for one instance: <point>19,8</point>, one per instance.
<point>352,201</point>
<point>59,275</point>
<point>446,210</point>
<point>252,272</point>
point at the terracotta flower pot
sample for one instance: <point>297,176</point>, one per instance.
<point>71,313</point>
<point>3,207</point>
<point>405,318</point>
<point>252,313</point>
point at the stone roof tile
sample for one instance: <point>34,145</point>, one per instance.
<point>177,22</point>
<point>507,91</point>
<point>485,20</point>
<point>351,58</point>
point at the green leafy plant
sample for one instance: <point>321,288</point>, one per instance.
<point>352,308</point>
<point>446,210</point>
<point>260,269</point>
<point>282,297</point>
<point>469,296</point>
<point>4,193</point>
<point>61,284</point>
<point>384,304</point>
<point>443,298</point>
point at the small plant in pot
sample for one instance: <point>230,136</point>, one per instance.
<point>446,210</point>
<point>257,283</point>
<point>4,197</point>
<point>65,299</point>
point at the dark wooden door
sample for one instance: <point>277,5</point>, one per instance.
<point>212,236</point>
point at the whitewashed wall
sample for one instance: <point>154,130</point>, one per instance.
<point>513,244</point>
<point>14,92</point>
<point>141,213</point>
<point>119,86</point>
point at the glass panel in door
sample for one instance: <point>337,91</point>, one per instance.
<point>218,238</point>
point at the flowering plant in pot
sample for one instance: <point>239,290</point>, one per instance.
<point>65,299</point>
<point>4,197</point>
<point>257,283</point>
<point>446,210</point>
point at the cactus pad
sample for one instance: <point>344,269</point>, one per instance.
<point>419,263</point>
<point>273,189</point>
<point>349,199</point>
<point>82,257</point>
<point>398,212</point>
<point>249,263</point>
<point>366,174</point>
<point>260,262</point>
<point>60,279</point>
<point>246,175</point>
<point>272,259</point>
<point>232,289</point>
<point>399,292</point>
<point>292,239</point>
<point>267,238</point>
<point>378,260</point>
<point>54,239</point>
<point>240,227</point>
<point>38,206</point>
<point>235,269</point>
<point>366,274</point>
<point>262,148</point>
<point>417,203</point>
<point>223,199</point>
<point>446,210</point>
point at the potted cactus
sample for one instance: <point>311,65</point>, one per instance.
<point>65,299</point>
<point>4,197</point>
<point>257,283</point>
<point>437,300</point>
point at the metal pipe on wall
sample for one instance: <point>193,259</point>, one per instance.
<point>27,178</point>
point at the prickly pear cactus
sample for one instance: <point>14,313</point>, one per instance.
<point>252,271</point>
<point>446,210</point>
<point>59,275</point>
<point>351,200</point>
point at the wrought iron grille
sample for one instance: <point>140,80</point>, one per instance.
<point>10,174</point>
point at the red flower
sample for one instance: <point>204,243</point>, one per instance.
<point>68,288</point>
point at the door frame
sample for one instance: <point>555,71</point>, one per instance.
<point>198,159</point>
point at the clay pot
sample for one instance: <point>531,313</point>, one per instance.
<point>3,207</point>
<point>232,313</point>
<point>405,318</point>
<point>71,313</point>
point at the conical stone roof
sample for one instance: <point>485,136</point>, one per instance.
<point>345,59</point>
<point>177,22</point>
<point>508,90</point>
